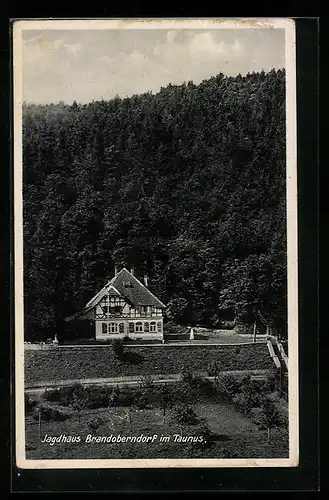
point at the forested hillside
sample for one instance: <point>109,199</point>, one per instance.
<point>186,185</point>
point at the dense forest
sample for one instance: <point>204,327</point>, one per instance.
<point>187,185</point>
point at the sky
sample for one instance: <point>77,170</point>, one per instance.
<point>86,65</point>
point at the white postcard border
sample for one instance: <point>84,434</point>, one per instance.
<point>292,238</point>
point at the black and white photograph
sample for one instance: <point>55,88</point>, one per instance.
<point>156,304</point>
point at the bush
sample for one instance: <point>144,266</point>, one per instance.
<point>95,423</point>
<point>187,376</point>
<point>245,402</point>
<point>49,412</point>
<point>228,385</point>
<point>53,395</point>
<point>65,395</point>
<point>122,397</point>
<point>97,396</point>
<point>118,348</point>
<point>184,415</point>
<point>80,397</point>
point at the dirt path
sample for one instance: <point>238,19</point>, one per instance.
<point>129,380</point>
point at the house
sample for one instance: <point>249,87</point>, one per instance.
<point>125,307</point>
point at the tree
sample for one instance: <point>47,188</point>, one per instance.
<point>166,399</point>
<point>269,416</point>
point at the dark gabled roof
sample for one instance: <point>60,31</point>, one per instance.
<point>134,290</point>
<point>128,286</point>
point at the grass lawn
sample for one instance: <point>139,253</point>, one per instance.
<point>97,362</point>
<point>236,436</point>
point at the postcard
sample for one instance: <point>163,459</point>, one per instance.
<point>155,254</point>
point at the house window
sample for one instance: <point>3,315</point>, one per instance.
<point>104,327</point>
<point>131,327</point>
<point>146,327</point>
<point>121,328</point>
<point>105,309</point>
<point>152,326</point>
<point>159,326</point>
<point>113,328</point>
<point>139,327</point>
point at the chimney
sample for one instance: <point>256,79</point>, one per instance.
<point>146,280</point>
<point>132,271</point>
<point>116,270</point>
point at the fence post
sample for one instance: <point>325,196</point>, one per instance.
<point>40,424</point>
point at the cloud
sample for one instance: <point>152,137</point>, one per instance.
<point>71,65</point>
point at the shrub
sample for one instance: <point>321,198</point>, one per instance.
<point>53,395</point>
<point>228,385</point>
<point>65,395</point>
<point>184,415</point>
<point>97,396</point>
<point>79,397</point>
<point>184,392</point>
<point>204,386</point>
<point>95,423</point>
<point>245,402</point>
<point>122,397</point>
<point>118,348</point>
<point>187,375</point>
<point>49,412</point>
